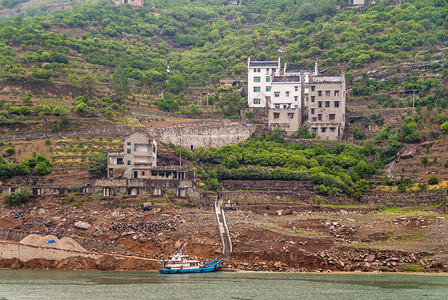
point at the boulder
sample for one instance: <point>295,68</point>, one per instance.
<point>82,225</point>
<point>147,206</point>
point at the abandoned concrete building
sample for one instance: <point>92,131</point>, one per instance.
<point>139,155</point>
<point>134,171</point>
<point>290,98</point>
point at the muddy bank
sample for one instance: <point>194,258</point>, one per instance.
<point>280,237</point>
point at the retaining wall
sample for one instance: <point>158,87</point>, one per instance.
<point>190,137</point>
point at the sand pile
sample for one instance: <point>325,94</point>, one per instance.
<point>65,243</point>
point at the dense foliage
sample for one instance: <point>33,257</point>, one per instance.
<point>203,42</point>
<point>340,168</point>
<point>38,165</point>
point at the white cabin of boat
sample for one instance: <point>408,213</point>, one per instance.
<point>181,261</point>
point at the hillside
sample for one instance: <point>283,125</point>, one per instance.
<point>76,77</point>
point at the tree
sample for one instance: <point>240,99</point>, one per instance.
<point>42,168</point>
<point>120,84</point>
<point>175,84</point>
<point>98,165</point>
<point>84,80</point>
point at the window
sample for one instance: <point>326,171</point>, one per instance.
<point>256,89</point>
<point>332,129</point>
<point>327,103</point>
<point>129,143</point>
<point>314,119</point>
<point>267,70</point>
<point>319,93</point>
<point>277,94</point>
<point>268,89</point>
<point>319,117</point>
<point>296,98</point>
<point>129,162</point>
<point>191,147</point>
<point>312,111</point>
<point>332,116</point>
<point>268,99</point>
<point>313,98</point>
<point>268,78</point>
<point>314,129</point>
<point>324,129</point>
<point>257,70</point>
<point>327,93</point>
<point>274,70</point>
<point>336,103</point>
<point>319,104</point>
<point>257,79</point>
<point>313,88</point>
<point>286,105</point>
<point>276,115</point>
<point>336,93</point>
<point>120,161</point>
<point>277,106</point>
<point>128,151</point>
<point>291,115</point>
<point>257,101</point>
<point>296,88</point>
<point>143,173</point>
<point>287,94</point>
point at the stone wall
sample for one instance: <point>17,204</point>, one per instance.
<point>190,137</point>
<point>404,199</point>
<point>267,191</point>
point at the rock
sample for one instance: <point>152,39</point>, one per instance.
<point>82,225</point>
<point>41,211</point>
<point>17,264</point>
<point>279,212</point>
<point>147,206</point>
<point>106,263</point>
<point>370,258</point>
<point>409,154</point>
<point>97,232</point>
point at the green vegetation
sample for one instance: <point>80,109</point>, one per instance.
<point>38,165</point>
<point>98,165</point>
<point>18,198</point>
<point>337,169</point>
<point>129,48</point>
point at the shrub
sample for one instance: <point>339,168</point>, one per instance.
<point>17,198</point>
<point>424,160</point>
<point>433,180</point>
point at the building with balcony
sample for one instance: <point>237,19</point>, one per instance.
<point>138,157</point>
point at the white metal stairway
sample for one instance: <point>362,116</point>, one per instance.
<point>223,229</point>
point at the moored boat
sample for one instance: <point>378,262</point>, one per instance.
<point>180,263</point>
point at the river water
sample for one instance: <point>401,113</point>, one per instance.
<point>25,284</point>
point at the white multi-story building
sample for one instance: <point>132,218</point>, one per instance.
<point>259,81</point>
<point>296,97</point>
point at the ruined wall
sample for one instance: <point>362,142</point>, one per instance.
<point>197,136</point>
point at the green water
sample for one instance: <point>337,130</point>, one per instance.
<point>23,284</point>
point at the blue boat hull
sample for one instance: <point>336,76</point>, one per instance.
<point>184,271</point>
